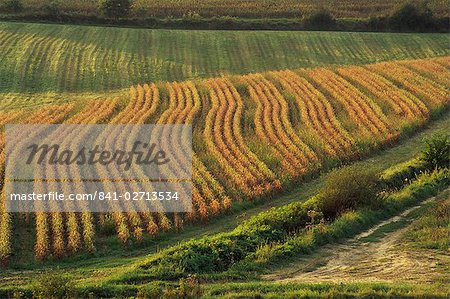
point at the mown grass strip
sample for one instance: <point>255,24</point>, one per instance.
<point>117,58</point>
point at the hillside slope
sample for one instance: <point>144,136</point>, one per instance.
<point>254,136</point>
<point>111,260</point>
<point>63,58</point>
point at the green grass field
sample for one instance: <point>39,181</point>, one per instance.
<point>56,58</point>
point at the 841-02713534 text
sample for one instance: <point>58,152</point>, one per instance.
<point>101,196</point>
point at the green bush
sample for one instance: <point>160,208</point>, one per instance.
<point>13,6</point>
<point>321,19</point>
<point>437,151</point>
<point>348,188</point>
<point>53,285</point>
<point>115,8</point>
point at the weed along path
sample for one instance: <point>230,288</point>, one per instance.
<point>379,254</point>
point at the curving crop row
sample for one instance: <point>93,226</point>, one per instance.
<point>225,141</point>
<point>317,113</point>
<point>401,101</point>
<point>66,230</point>
<point>143,103</point>
<point>46,115</point>
<point>207,194</point>
<point>272,125</point>
<point>6,118</point>
<point>361,110</point>
<point>408,88</point>
<point>432,69</point>
<point>80,228</point>
<point>433,93</point>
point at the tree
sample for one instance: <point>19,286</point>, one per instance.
<point>116,8</point>
<point>410,17</point>
<point>321,19</point>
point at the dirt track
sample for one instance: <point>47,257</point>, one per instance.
<point>385,260</point>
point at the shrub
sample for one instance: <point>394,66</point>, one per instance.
<point>412,18</point>
<point>351,223</point>
<point>437,151</point>
<point>348,188</point>
<point>13,6</point>
<point>115,8</point>
<point>321,19</point>
<point>53,285</point>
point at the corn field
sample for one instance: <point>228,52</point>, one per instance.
<point>252,134</point>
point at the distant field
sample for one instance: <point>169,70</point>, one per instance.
<point>244,8</point>
<point>57,58</point>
